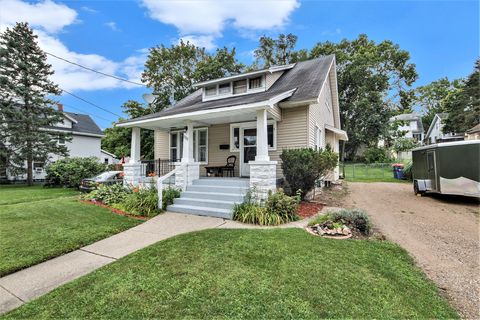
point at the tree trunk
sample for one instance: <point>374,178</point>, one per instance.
<point>29,165</point>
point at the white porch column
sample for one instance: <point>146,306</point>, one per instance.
<point>135,147</point>
<point>187,155</point>
<point>262,136</point>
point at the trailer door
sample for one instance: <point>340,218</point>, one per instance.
<point>432,169</point>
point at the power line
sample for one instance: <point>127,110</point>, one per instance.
<point>91,103</point>
<point>90,114</point>
<point>96,71</point>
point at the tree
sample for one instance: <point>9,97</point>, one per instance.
<point>374,82</point>
<point>278,51</point>
<point>463,105</point>
<point>171,72</point>
<point>431,98</point>
<point>25,108</point>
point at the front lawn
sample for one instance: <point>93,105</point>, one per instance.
<point>276,273</point>
<point>32,231</point>
<point>10,194</point>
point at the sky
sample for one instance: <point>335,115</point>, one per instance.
<point>113,37</point>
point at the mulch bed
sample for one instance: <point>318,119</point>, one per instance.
<point>308,209</point>
<point>114,210</point>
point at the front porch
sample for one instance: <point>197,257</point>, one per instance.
<point>237,142</point>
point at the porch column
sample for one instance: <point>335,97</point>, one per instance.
<point>135,147</point>
<point>262,136</point>
<point>187,155</point>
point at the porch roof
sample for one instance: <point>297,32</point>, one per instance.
<point>341,133</point>
<point>228,114</point>
<point>305,78</point>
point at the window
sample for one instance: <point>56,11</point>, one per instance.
<point>61,140</point>
<point>255,83</point>
<point>236,138</point>
<point>239,86</point>
<point>200,145</point>
<point>224,88</point>
<point>211,91</point>
<point>270,135</point>
<point>105,161</point>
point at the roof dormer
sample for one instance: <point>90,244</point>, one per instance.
<point>241,84</point>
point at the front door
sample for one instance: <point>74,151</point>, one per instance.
<point>432,169</point>
<point>248,149</point>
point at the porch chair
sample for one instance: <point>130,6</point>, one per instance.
<point>229,168</point>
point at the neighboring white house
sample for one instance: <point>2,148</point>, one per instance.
<point>86,138</point>
<point>435,132</point>
<point>108,158</point>
<point>411,124</point>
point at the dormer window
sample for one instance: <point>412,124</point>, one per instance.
<point>211,91</point>
<point>240,86</point>
<point>255,83</point>
<point>224,88</point>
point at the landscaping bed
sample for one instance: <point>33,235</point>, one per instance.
<point>308,209</point>
<point>272,274</point>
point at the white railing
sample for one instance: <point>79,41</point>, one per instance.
<point>161,179</point>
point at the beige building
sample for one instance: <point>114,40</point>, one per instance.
<point>248,119</point>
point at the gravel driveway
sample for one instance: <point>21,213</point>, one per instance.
<point>441,232</point>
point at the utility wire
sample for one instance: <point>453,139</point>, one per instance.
<point>91,103</point>
<point>96,71</point>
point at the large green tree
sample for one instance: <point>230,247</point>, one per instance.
<point>430,98</point>
<point>278,51</point>
<point>26,110</point>
<point>463,105</point>
<point>374,81</point>
<point>172,71</point>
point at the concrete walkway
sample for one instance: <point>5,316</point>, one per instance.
<point>30,283</point>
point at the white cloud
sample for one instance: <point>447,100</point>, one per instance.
<point>43,16</point>
<point>204,41</point>
<point>47,15</point>
<point>112,25</point>
<point>203,18</point>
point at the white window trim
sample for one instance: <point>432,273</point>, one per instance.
<point>197,138</point>
<point>317,137</point>
<point>230,94</point>
<point>252,124</point>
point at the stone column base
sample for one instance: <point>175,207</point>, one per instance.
<point>186,173</point>
<point>263,178</point>
<point>132,174</point>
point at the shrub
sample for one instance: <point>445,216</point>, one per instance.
<point>354,218</point>
<point>109,194</point>
<point>279,208</point>
<point>404,144</point>
<point>302,167</point>
<point>407,170</point>
<point>168,195</point>
<point>69,172</point>
<point>377,155</point>
<point>142,202</point>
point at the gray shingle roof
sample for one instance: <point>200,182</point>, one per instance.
<point>306,77</point>
<point>84,124</point>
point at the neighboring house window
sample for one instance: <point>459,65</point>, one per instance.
<point>211,91</point>
<point>240,86</point>
<point>224,88</point>
<point>255,83</point>
<point>105,161</point>
<point>38,166</point>
<point>61,140</point>
<point>318,136</point>
<point>200,145</point>
<point>417,136</point>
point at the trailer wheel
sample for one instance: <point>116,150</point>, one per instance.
<point>416,190</point>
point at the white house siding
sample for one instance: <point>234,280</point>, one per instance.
<point>270,78</point>
<point>161,144</point>
<point>320,114</point>
<point>107,158</point>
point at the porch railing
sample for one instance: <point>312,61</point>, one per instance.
<point>158,167</point>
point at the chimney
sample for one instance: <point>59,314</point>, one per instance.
<point>60,107</point>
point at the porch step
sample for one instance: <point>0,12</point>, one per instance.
<point>214,197</point>
<point>202,211</point>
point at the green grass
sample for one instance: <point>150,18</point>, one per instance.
<point>360,172</point>
<point>32,231</point>
<point>10,194</point>
<point>269,274</point>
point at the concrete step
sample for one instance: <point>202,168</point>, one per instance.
<point>218,189</point>
<point>213,196</point>
<point>232,182</point>
<point>201,211</point>
<point>206,203</point>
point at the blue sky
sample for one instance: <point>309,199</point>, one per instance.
<point>441,36</point>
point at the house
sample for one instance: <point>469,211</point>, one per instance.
<point>108,158</point>
<point>86,137</point>
<point>411,124</point>
<point>473,133</point>
<point>252,116</point>
<point>435,132</point>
